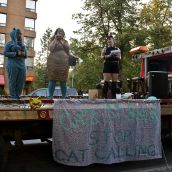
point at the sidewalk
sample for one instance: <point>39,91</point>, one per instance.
<point>156,169</point>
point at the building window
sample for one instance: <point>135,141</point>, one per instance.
<point>29,68</point>
<point>3,19</point>
<point>29,42</point>
<point>31,5</point>
<point>3,3</point>
<point>1,60</point>
<point>29,62</point>
<point>2,39</point>
<point>29,24</point>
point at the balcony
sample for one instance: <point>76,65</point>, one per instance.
<point>3,8</point>
<point>30,72</point>
<point>1,70</point>
<point>3,4</point>
<point>3,30</point>
<point>29,32</point>
<point>31,52</point>
<point>2,24</point>
<point>31,13</point>
<point>1,49</point>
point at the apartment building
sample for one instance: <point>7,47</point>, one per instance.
<point>20,14</point>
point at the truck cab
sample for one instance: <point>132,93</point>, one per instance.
<point>156,71</point>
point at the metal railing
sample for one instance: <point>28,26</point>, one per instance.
<point>30,28</point>
<point>2,24</point>
<point>3,4</point>
<point>31,10</point>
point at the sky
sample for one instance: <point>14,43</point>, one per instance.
<point>54,14</point>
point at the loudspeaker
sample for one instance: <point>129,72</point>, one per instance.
<point>158,84</point>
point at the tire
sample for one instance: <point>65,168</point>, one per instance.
<point>3,154</point>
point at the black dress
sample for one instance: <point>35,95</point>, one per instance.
<point>111,64</point>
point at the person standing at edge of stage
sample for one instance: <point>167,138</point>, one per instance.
<point>16,52</point>
<point>111,55</point>
<point>58,62</point>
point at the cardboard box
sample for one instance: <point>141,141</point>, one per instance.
<point>95,94</point>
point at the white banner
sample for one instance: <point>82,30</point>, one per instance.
<point>105,131</point>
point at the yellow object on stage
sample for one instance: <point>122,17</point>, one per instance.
<point>35,103</point>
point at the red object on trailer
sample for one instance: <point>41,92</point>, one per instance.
<point>140,49</point>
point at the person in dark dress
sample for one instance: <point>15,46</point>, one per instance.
<point>111,55</point>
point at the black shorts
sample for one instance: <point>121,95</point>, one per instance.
<point>111,67</point>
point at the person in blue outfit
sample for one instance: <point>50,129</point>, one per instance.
<point>16,52</point>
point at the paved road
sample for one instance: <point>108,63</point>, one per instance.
<point>37,157</point>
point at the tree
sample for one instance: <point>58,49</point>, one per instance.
<point>40,67</point>
<point>99,19</point>
<point>45,42</point>
<point>156,20</point>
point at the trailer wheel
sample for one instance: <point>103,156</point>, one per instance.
<point>3,154</point>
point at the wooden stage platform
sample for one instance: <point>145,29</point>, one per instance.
<point>20,110</point>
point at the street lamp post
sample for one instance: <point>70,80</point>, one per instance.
<point>72,80</point>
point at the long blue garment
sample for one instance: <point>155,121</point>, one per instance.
<point>16,67</point>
